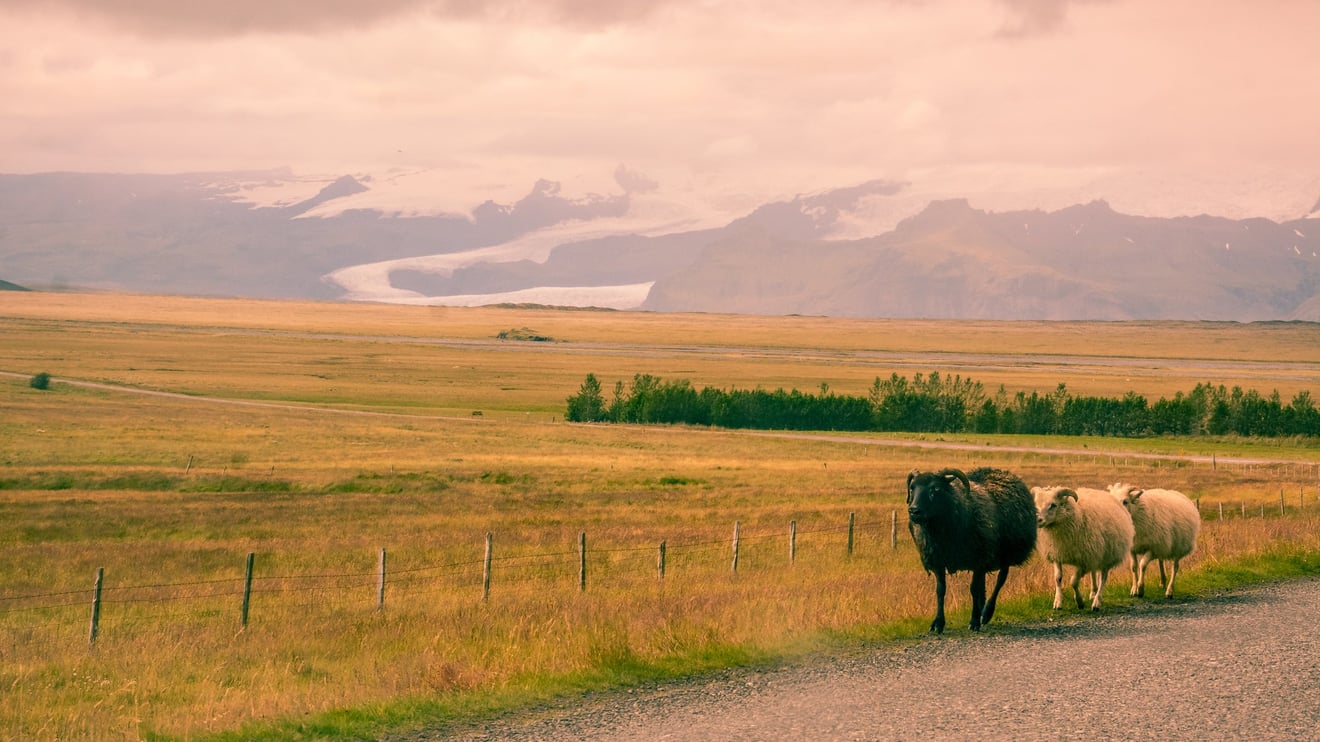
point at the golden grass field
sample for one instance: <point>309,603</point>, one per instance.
<point>313,435</point>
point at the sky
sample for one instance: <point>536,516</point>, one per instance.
<point>733,101</point>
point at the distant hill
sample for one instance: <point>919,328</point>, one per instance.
<point>205,234</point>
<point>953,261</point>
<point>7,286</point>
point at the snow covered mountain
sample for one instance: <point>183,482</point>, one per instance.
<point>1108,248</point>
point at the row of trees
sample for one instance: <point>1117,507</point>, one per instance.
<point>948,404</point>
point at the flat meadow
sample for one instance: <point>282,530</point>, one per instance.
<point>431,543</point>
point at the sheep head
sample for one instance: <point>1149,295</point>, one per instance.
<point>929,493</point>
<point>1126,494</point>
<point>1052,505</point>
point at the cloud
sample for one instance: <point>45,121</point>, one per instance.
<point>582,13</point>
<point>223,18</point>
<point>218,18</point>
<point>1035,17</point>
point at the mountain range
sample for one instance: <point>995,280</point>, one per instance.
<point>276,235</point>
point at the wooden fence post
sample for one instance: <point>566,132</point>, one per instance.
<point>247,587</point>
<point>735,546</point>
<point>852,521</point>
<point>1221,511</point>
<point>96,607</point>
<point>582,561</point>
<point>893,529</point>
<point>662,561</point>
<point>380,583</point>
<point>1281,510</point>
<point>485,572</point>
<point>792,541</point>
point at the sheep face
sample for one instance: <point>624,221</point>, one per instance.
<point>1126,494</point>
<point>929,495</point>
<point>1054,505</point>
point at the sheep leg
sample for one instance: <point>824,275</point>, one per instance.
<point>1173,575</point>
<point>1098,580</point>
<point>937,626</point>
<point>1139,575</point>
<point>978,598</point>
<point>1058,586</point>
<point>989,611</point>
<point>1163,582</point>
<point>1077,594</point>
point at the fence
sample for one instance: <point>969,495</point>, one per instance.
<point>247,591</point>
<point>479,577</point>
<point>1241,506</point>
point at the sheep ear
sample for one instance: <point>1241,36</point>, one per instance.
<point>1135,493</point>
<point>911,476</point>
<point>1067,493</point>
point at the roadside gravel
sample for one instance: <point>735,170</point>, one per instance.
<point>1244,664</point>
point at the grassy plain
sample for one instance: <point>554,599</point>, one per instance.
<point>315,435</point>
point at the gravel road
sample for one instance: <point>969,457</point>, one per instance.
<point>1241,665</point>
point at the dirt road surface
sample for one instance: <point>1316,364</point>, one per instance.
<point>1243,665</point>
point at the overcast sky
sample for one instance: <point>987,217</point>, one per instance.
<point>761,95</point>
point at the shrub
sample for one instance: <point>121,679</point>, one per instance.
<point>40,381</point>
<point>588,405</point>
<point>524,333</point>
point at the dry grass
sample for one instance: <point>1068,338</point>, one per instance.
<point>372,354</point>
<point>380,450</point>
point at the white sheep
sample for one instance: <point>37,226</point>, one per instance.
<point>1086,528</point>
<point>1167,523</point>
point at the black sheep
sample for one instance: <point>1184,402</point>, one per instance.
<point>982,522</point>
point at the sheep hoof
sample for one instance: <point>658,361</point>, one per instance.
<point>937,626</point>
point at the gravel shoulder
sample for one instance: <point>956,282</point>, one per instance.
<point>1243,664</point>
